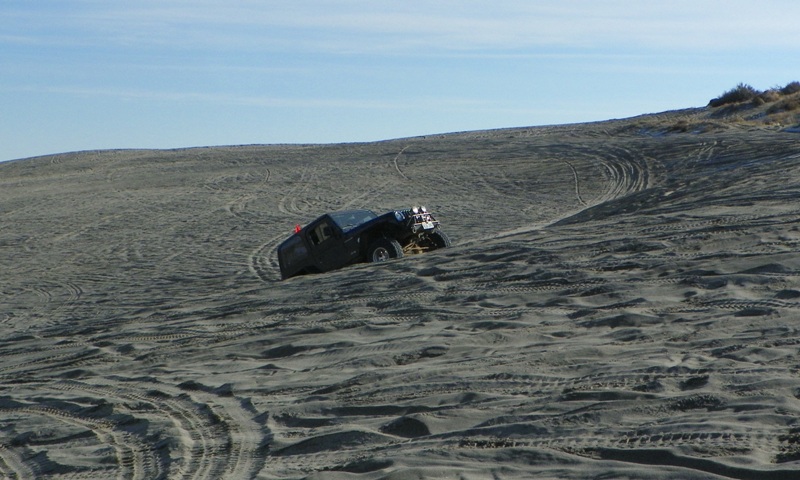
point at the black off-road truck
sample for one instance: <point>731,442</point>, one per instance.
<point>338,239</point>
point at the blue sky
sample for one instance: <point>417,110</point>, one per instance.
<point>98,74</point>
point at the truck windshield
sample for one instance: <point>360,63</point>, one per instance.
<point>350,219</point>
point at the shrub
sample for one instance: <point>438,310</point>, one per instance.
<point>768,96</point>
<point>787,105</point>
<point>681,126</point>
<point>791,88</point>
<point>742,93</point>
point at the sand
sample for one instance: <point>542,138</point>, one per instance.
<point>622,300</point>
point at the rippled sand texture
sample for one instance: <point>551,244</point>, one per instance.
<point>622,301</point>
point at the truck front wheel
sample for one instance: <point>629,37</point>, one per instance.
<point>440,239</point>
<point>384,249</point>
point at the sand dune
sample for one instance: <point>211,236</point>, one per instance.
<point>622,301</point>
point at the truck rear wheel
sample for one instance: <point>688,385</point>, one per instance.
<point>384,249</point>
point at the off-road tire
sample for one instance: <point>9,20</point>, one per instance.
<point>384,249</point>
<point>440,239</point>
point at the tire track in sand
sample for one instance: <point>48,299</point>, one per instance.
<point>218,439</point>
<point>577,184</point>
<point>263,262</point>
<point>627,173</point>
<point>135,459</point>
<point>12,464</point>
<point>238,206</point>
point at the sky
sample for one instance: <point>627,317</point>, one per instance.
<point>103,74</point>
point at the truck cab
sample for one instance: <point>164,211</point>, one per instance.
<point>323,244</point>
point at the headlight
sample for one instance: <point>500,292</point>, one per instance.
<point>423,209</point>
<point>415,210</point>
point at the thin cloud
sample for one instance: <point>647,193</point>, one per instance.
<point>261,101</point>
<point>414,26</point>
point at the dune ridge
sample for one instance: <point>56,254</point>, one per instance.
<point>621,302</point>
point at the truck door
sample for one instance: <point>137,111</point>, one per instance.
<point>327,246</point>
